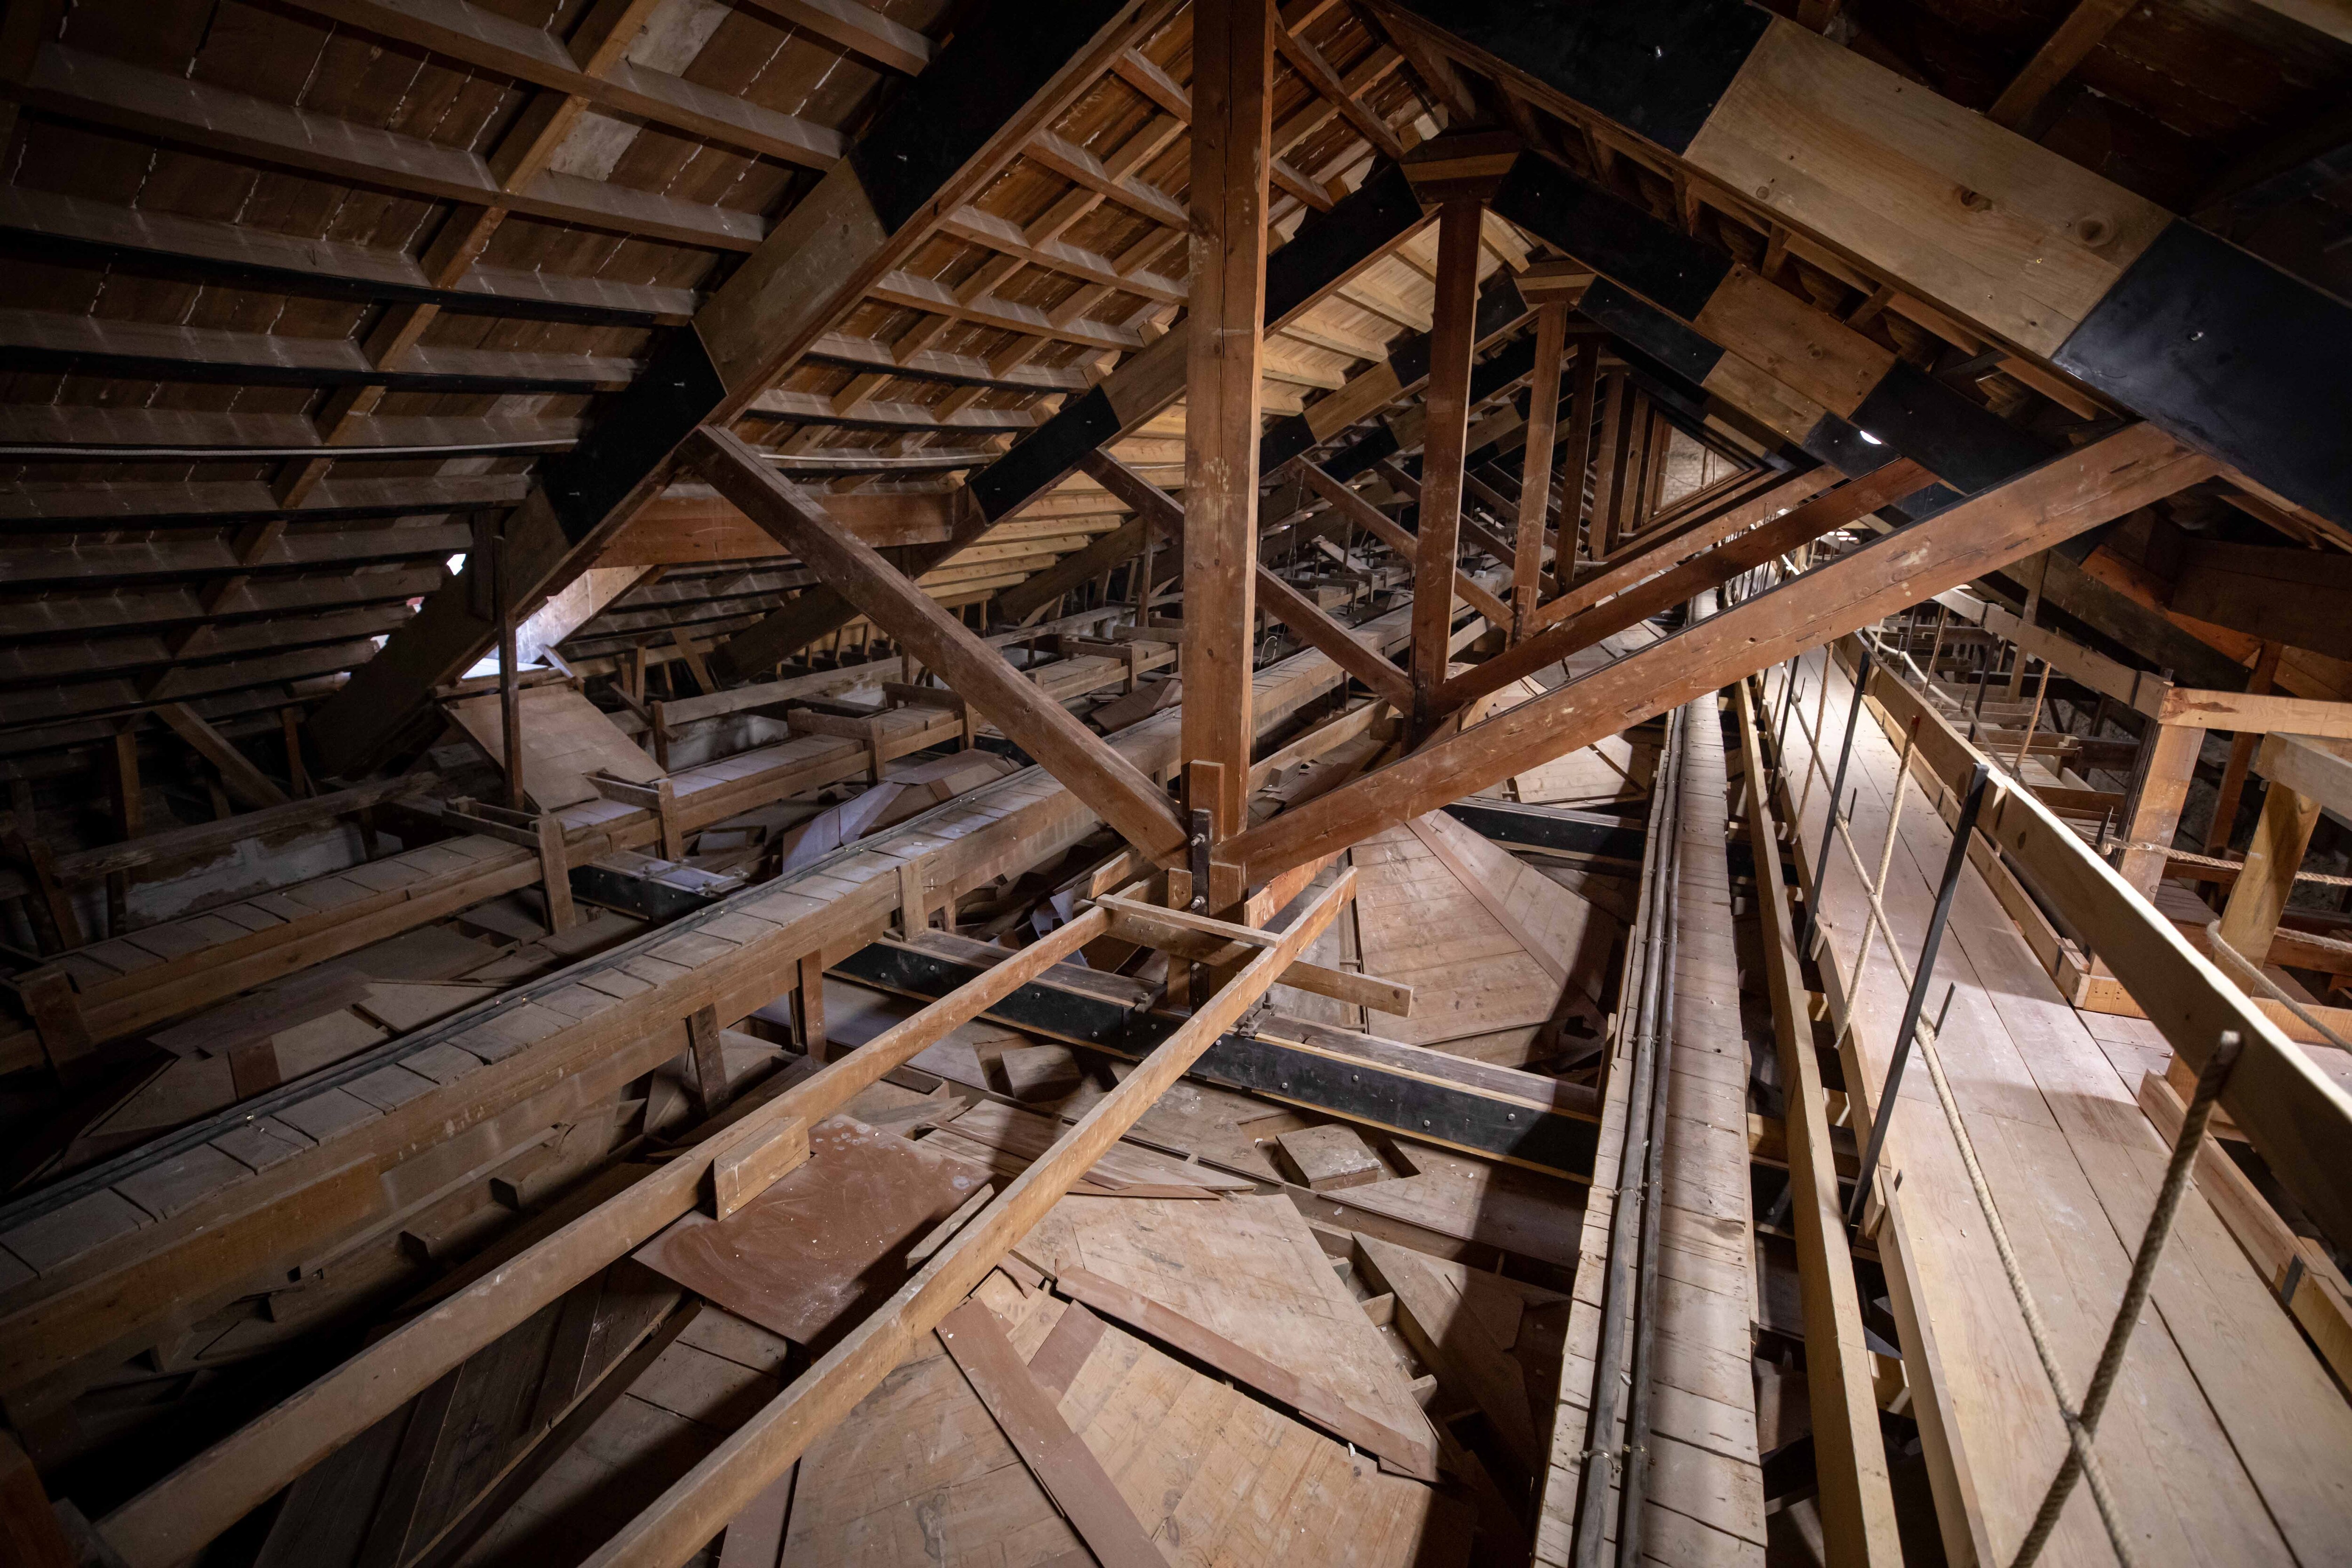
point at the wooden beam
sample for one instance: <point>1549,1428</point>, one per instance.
<point>243,780</point>
<point>1857,1502</point>
<point>2298,1119</point>
<point>1320,632</point>
<point>1233,98</point>
<point>1535,470</point>
<point>1124,797</point>
<point>699,1503</point>
<point>2083,30</point>
<point>2264,882</point>
<point>2293,596</point>
<point>1672,544</point>
<point>2067,495</point>
<point>1710,569</point>
<point>177,1516</point>
<point>1447,402</point>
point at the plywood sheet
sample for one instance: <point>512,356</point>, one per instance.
<point>817,1250</point>
<point>566,738</point>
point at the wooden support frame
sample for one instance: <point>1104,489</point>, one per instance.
<point>1233,102</point>
<point>242,778</point>
<point>1320,632</point>
<point>2259,895</point>
<point>180,1514</point>
<point>2296,1116</point>
<point>1446,403</point>
<point>2072,492</point>
<point>1857,1500</point>
<point>1119,793</point>
<point>660,797</point>
<point>1535,471</point>
<point>699,1505</point>
<point>1711,569</point>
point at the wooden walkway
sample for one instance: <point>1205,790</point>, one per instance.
<point>2226,1441</point>
<point>1705,1499</point>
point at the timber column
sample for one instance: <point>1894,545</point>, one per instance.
<point>1458,172</point>
<point>1233,67</point>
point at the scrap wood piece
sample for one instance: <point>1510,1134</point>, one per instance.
<point>812,1252</point>
<point>1247,1272</point>
<point>1333,1156</point>
<point>1415,1454</point>
<point>1062,1463</point>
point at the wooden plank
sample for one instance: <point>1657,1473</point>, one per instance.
<point>1063,1464</point>
<point>2065,496</point>
<point>718,1489</point>
<point>1076,757</point>
<point>1857,1502</point>
<point>1416,1454</point>
<point>803,1256</point>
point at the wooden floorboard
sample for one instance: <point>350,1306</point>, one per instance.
<point>2225,1441</point>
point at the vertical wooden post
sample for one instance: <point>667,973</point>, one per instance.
<point>706,1063</point>
<point>1534,472</point>
<point>28,1523</point>
<point>2259,896</point>
<point>2156,815</point>
<point>1609,468</point>
<point>1233,67</point>
<point>290,719</point>
<point>1575,461</point>
<point>510,691</point>
<point>1447,433</point>
<point>2241,756</point>
<point>809,995</point>
<point>130,822</point>
<point>2031,572</point>
<point>555,873</point>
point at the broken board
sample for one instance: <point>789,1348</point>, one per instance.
<point>1249,1272</point>
<point>821,1247</point>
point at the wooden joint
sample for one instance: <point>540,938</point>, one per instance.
<point>48,995</point>
<point>743,1169</point>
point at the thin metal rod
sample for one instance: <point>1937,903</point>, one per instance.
<point>1631,1517</point>
<point>2081,1429</point>
<point>1921,973</point>
<point>1602,1455</point>
<point>1837,788</point>
<point>510,684</point>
